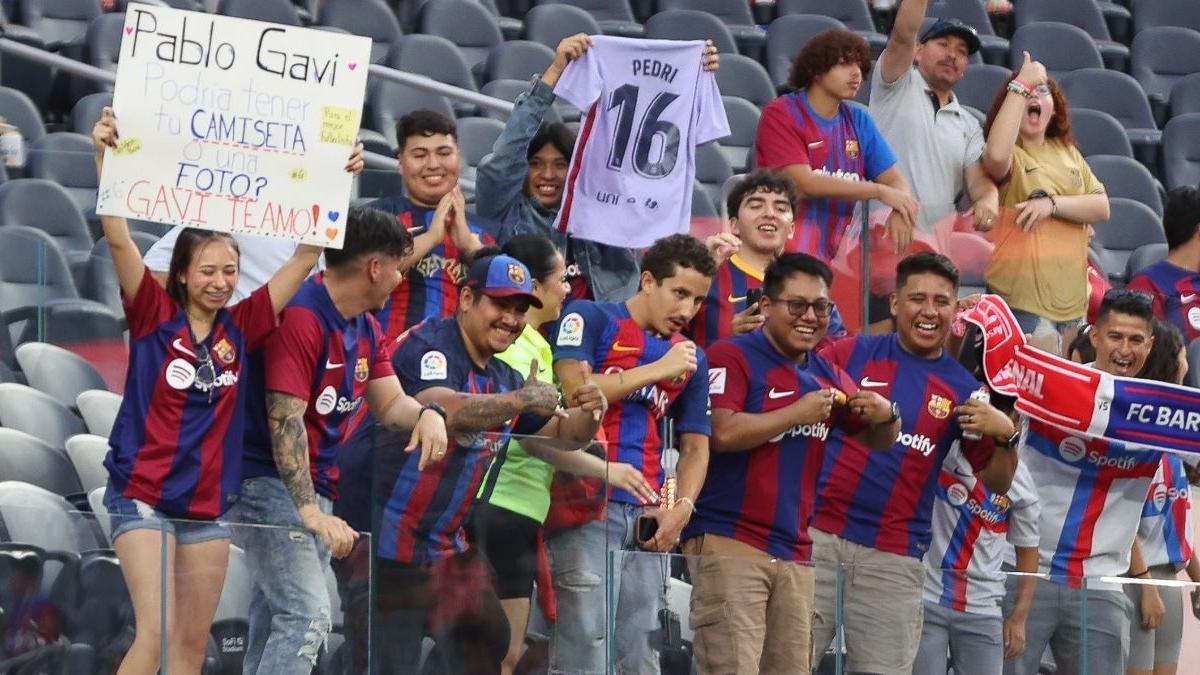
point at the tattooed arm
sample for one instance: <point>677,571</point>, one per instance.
<point>470,413</point>
<point>289,443</point>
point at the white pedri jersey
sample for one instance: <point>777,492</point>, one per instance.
<point>649,104</point>
<point>1091,492</point>
<point>1166,531</point>
<point>971,525</point>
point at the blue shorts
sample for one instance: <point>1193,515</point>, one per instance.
<point>127,514</point>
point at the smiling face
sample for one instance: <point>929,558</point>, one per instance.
<point>430,166</point>
<point>672,302</point>
<point>1039,112</point>
<point>492,324</point>
<point>942,61</point>
<point>796,335</point>
<point>547,176</point>
<point>384,274</point>
<point>924,310</point>
<point>764,221</point>
<point>841,81</point>
<point>553,290</point>
<point>211,276</point>
<point>1122,343</point>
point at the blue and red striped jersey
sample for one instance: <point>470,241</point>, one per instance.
<point>883,498</point>
<point>1176,293</point>
<point>726,297</point>
<point>423,516</point>
<point>176,443</point>
<point>430,287</point>
<point>606,336</point>
<point>326,360</point>
<point>763,497</point>
<point>848,147</point>
<point>1166,531</point>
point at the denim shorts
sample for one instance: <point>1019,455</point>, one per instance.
<point>127,514</point>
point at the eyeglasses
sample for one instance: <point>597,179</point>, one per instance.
<point>798,308</point>
<point>1041,90</point>
<point>1117,294</point>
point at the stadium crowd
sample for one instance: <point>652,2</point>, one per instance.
<point>527,422</point>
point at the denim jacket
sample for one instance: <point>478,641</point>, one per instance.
<point>612,273</point>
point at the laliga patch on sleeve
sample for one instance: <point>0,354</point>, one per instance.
<point>433,366</point>
<point>570,331</point>
<point>716,380</point>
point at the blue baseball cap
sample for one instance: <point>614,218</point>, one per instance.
<point>955,27</point>
<point>502,276</point>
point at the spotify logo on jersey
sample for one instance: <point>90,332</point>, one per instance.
<point>180,374</point>
<point>1072,449</point>
<point>327,401</point>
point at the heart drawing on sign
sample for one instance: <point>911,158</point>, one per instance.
<point>334,215</point>
<point>129,30</point>
<point>331,232</point>
<point>351,66</point>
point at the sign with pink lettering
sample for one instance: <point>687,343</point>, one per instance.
<point>234,125</point>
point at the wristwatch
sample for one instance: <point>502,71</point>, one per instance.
<point>895,413</point>
<point>1011,441</point>
<point>435,407</point>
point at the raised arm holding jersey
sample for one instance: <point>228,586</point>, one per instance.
<point>1174,283</point>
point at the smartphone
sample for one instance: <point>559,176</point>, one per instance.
<point>753,295</point>
<point>646,529</point>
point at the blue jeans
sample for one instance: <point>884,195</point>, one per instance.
<point>127,514</point>
<point>579,559</point>
<point>290,604</point>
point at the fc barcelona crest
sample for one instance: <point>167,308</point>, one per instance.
<point>516,274</point>
<point>225,351</point>
<point>361,369</point>
<point>852,148</point>
<point>939,406</point>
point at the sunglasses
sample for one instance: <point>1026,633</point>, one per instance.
<point>798,308</point>
<point>206,373</point>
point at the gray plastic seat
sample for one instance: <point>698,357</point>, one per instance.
<point>98,279</point>
<point>689,24</point>
<point>1082,13</point>
<point>61,23</point>
<point>66,158</point>
<point>549,24</point>
<point>104,35</point>
<point>273,11</point>
<point>389,101</point>
<point>1181,151</point>
<point>744,77</point>
<point>1143,257</point>
<point>1162,56</point>
<point>510,26</point>
<point>1098,133</point>
<point>993,49</point>
<point>980,84</point>
<point>465,23</point>
<point>1130,225</point>
<point>476,136</point>
<point>26,409</point>
<point>46,206</point>
<point>1060,47</point>
<point>19,110</point>
<point>702,203</point>
<point>712,170</point>
<point>1117,94</point>
<point>1150,13</point>
<point>37,516</point>
<point>86,112</point>
<point>30,460</point>
<point>738,146</point>
<point>55,371</point>
<point>733,13</point>
<point>517,60</point>
<point>787,35</point>
<point>369,18</point>
<point>854,13</point>
<point>509,90</point>
<point>1185,95</point>
<point>437,58</point>
<point>99,408</point>
<point>615,17</point>
<point>86,453</point>
<point>1129,179</point>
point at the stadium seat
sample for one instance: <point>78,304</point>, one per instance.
<point>702,203</point>
<point>744,77</point>
<point>87,111</point>
<point>712,170</point>
<point>98,407</point>
<point>1098,133</point>
<point>38,414</point>
<point>1060,47</point>
<point>1181,151</point>
<point>34,515</point>
<point>1185,95</point>
<point>273,11</point>
<point>689,24</point>
<point>86,453</point>
<point>98,279</point>
<point>376,183</point>
<point>786,35</point>
<point>476,136</point>
<point>465,23</point>
<point>509,90</point>
<point>375,142</point>
<point>1150,13</point>
<point>510,27</point>
<point>726,189</point>
<point>389,101</point>
<point>1161,57</point>
<point>437,58</point>
<point>518,60</point>
<point>1130,225</point>
<point>26,458</point>
<point>47,206</point>
<point>1129,179</point>
<point>6,373</point>
<point>1143,257</point>
<point>994,49</point>
<point>615,17</point>
<point>853,13</point>
<point>55,371</point>
<point>96,502</point>
<point>738,146</point>
<point>66,158</point>
<point>1193,352</point>
<point>62,24</point>
<point>980,84</point>
<point>101,48</point>
<point>370,18</point>
<point>1117,94</point>
<point>20,111</point>
<point>549,24</point>
<point>1082,13</point>
<point>734,13</point>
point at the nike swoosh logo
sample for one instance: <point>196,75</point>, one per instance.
<point>1187,297</point>
<point>178,345</point>
<point>733,299</point>
<point>330,365</point>
<point>1030,169</point>
<point>618,347</point>
<point>778,394</point>
<point>868,382</point>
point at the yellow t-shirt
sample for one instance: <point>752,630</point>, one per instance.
<point>1043,271</point>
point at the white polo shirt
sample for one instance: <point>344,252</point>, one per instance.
<point>932,148</point>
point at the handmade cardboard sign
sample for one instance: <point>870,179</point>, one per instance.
<point>234,125</point>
